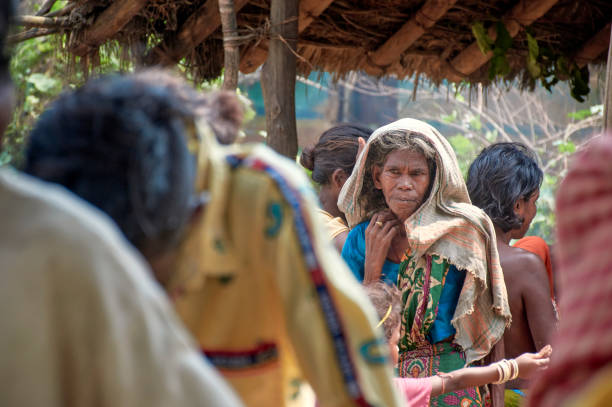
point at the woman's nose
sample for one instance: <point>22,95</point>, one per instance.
<point>406,183</point>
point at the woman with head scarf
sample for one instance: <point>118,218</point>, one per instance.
<point>331,161</point>
<point>408,204</point>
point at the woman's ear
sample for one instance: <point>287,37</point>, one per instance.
<point>376,172</point>
<point>519,207</point>
<point>338,178</point>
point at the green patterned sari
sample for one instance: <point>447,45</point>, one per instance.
<point>421,284</point>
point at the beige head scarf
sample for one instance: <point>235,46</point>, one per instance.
<point>448,225</point>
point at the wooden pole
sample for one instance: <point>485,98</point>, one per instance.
<point>256,55</point>
<point>522,15</point>
<point>278,78</point>
<point>107,24</point>
<point>231,56</point>
<point>608,101</point>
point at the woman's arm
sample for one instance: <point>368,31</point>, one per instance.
<point>528,363</point>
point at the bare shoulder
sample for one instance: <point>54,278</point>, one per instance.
<point>518,264</point>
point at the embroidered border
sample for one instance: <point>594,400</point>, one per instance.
<point>243,359</point>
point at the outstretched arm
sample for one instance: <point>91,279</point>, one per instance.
<point>528,364</point>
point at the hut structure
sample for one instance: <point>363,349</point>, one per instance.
<point>470,41</point>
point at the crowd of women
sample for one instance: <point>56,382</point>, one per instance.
<point>133,213</point>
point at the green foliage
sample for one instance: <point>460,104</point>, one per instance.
<point>542,62</point>
<point>499,65</point>
<point>544,221</point>
<point>566,147</point>
<point>485,43</point>
<point>465,149</point>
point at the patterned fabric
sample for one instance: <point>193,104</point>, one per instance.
<point>448,225</point>
<point>428,360</point>
<point>334,226</point>
<point>583,343</point>
<point>266,296</point>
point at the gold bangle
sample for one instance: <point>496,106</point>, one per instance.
<point>379,223</point>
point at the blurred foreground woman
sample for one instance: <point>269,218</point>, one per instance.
<point>580,372</point>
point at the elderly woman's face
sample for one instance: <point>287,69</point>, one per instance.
<point>404,181</point>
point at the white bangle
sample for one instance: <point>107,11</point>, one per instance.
<point>514,364</point>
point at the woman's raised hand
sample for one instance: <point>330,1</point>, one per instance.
<point>378,237</point>
<point>529,363</point>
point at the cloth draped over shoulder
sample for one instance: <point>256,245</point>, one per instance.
<point>449,226</point>
<point>583,344</point>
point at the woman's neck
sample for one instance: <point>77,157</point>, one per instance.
<point>329,201</point>
<point>503,237</point>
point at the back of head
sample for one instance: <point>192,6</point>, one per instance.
<point>502,174</point>
<point>121,145</point>
<point>221,110</point>
<point>387,303</point>
<point>336,149</point>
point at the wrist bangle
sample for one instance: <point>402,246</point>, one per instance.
<point>443,391</point>
<point>514,364</point>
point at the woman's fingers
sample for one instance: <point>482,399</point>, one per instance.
<point>545,352</point>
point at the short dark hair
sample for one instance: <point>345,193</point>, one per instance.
<point>121,144</point>
<point>502,174</point>
<point>336,149</point>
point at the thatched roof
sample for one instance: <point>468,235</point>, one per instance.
<point>433,38</point>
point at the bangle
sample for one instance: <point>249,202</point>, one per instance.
<point>514,364</point>
<point>443,391</point>
<point>505,369</point>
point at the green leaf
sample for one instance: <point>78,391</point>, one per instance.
<point>482,38</point>
<point>567,147</point>
<point>475,123</point>
<point>532,57</point>
<point>580,114</point>
<point>44,83</point>
<point>503,41</point>
<point>450,118</point>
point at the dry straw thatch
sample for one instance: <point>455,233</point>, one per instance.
<point>433,38</point>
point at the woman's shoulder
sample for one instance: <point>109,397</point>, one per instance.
<point>361,227</point>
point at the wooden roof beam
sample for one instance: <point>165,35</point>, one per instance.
<point>257,54</point>
<point>594,47</point>
<point>521,15</point>
<point>107,24</point>
<point>412,30</point>
<point>205,21</point>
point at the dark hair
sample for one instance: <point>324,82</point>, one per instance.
<point>121,145</point>
<point>372,198</point>
<point>7,10</point>
<point>336,149</point>
<point>383,295</point>
<point>502,174</point>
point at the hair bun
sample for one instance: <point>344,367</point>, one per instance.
<point>307,158</point>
